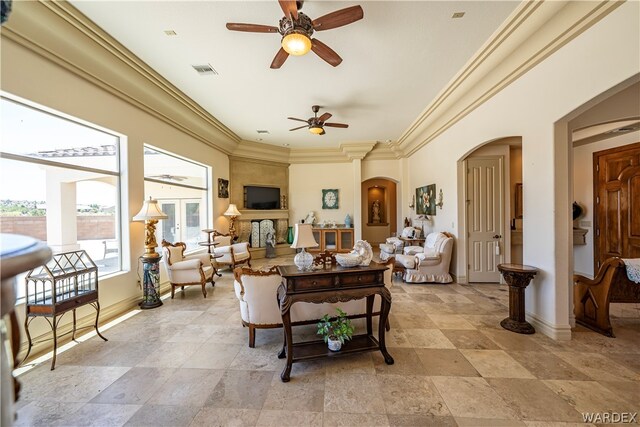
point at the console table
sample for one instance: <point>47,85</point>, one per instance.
<point>332,284</point>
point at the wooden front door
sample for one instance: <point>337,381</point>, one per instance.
<point>484,219</point>
<point>617,203</point>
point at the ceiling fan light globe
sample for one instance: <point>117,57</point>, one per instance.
<point>296,44</point>
<point>316,130</point>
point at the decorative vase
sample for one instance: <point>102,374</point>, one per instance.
<point>334,345</point>
<point>290,235</point>
<point>347,221</point>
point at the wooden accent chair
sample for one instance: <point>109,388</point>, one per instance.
<point>591,298</point>
<point>187,270</point>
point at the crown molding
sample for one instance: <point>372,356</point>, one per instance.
<point>317,155</point>
<point>357,150</point>
<point>59,32</point>
<point>382,151</point>
<point>535,30</point>
<point>261,151</point>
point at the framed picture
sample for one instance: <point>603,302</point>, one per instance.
<point>223,188</point>
<point>330,199</point>
<point>426,200</point>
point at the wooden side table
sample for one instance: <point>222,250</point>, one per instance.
<point>517,277</point>
<point>412,242</point>
<point>332,284</point>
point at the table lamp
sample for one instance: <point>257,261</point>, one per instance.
<point>233,213</point>
<point>303,239</point>
<point>150,214</point>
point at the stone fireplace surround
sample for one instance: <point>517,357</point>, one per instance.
<point>280,218</point>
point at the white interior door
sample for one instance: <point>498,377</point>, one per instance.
<point>485,219</point>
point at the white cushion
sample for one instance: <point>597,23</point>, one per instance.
<point>175,253</point>
<point>408,232</point>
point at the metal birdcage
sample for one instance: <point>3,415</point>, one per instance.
<point>68,281</point>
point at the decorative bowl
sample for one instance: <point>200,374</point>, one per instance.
<point>348,260</point>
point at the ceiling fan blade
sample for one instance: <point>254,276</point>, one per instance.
<point>299,128</point>
<point>325,117</point>
<point>251,28</point>
<point>338,18</point>
<point>279,59</point>
<point>300,120</point>
<point>336,125</point>
<point>289,8</point>
<point>325,52</point>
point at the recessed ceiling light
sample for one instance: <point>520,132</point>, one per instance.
<point>285,145</point>
<point>457,15</point>
<point>170,33</point>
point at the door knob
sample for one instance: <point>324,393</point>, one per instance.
<point>497,236</point>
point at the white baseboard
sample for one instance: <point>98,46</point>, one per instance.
<point>556,332</point>
<point>460,279</point>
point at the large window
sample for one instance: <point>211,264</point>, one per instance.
<point>181,187</point>
<point>59,182</point>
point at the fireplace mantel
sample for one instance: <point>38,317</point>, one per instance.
<point>253,214</point>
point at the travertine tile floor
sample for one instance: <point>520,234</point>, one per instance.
<point>187,363</point>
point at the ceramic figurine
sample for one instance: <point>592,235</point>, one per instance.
<point>347,221</point>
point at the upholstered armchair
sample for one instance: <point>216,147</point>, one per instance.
<point>186,270</point>
<point>394,245</point>
<point>232,254</point>
<point>428,263</point>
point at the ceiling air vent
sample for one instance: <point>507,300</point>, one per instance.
<point>205,69</point>
<point>262,131</point>
<point>457,15</point>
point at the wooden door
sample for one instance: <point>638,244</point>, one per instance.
<point>484,219</point>
<point>617,203</point>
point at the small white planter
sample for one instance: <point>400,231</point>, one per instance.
<point>334,345</point>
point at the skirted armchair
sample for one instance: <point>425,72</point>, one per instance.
<point>186,270</point>
<point>233,254</point>
<point>428,263</point>
<point>395,245</point>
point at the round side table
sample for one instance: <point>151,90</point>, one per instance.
<point>517,277</point>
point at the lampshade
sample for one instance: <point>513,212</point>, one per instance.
<point>296,44</point>
<point>232,211</point>
<point>303,237</point>
<point>150,210</point>
<point>316,129</point>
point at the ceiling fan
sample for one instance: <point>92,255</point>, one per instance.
<point>296,29</point>
<point>316,124</point>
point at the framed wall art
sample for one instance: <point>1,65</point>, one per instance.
<point>426,200</point>
<point>223,188</point>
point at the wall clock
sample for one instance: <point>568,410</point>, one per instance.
<point>329,199</point>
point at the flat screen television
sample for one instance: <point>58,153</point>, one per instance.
<point>256,197</point>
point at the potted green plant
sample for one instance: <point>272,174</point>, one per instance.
<point>336,330</point>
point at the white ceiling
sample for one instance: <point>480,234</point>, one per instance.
<point>395,61</point>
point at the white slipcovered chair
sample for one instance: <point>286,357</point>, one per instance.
<point>233,254</point>
<point>186,270</point>
<point>394,245</point>
<point>428,263</point>
<point>256,291</point>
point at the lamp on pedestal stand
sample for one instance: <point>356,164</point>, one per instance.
<point>233,213</point>
<point>303,239</point>
<point>150,214</point>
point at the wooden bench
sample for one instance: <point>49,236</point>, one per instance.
<point>591,298</point>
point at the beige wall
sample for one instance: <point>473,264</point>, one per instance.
<point>256,172</point>
<point>35,78</point>
<point>531,107</point>
<point>306,182</point>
